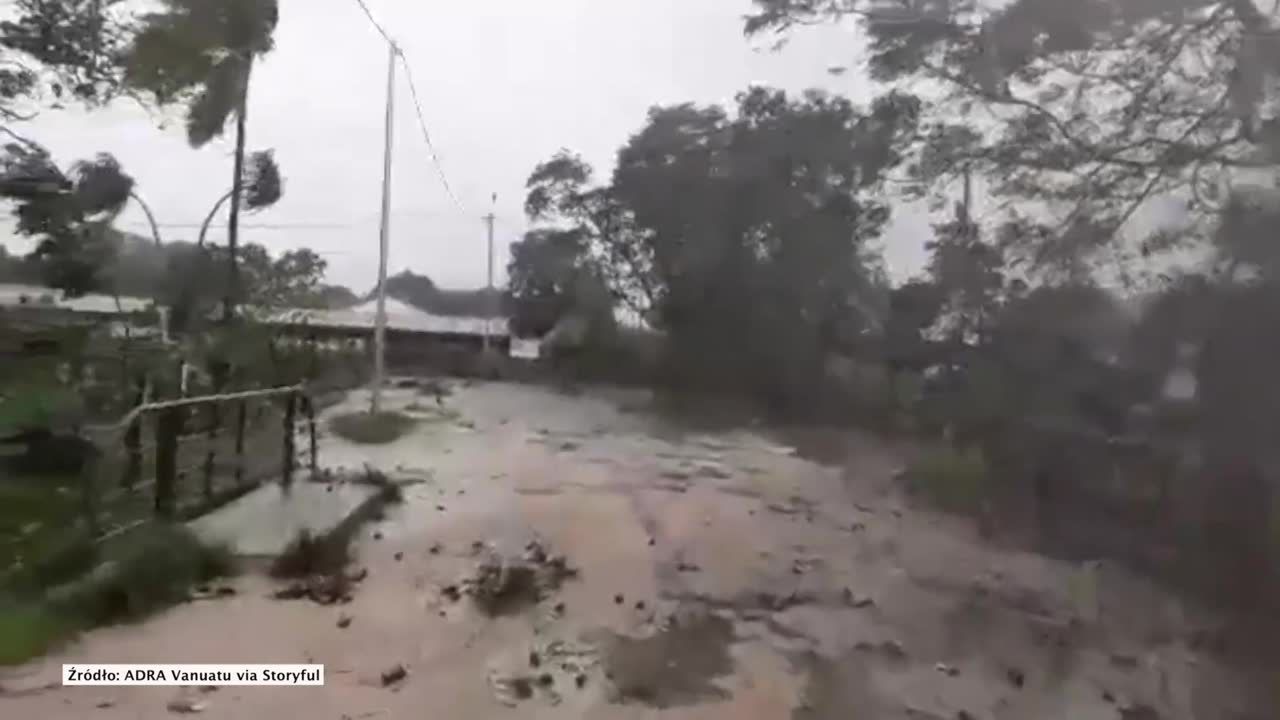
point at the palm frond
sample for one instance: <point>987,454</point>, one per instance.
<point>219,97</point>
<point>263,185</point>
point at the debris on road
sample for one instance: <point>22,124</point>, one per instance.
<point>502,585</point>
<point>857,601</point>
<point>186,706</point>
<point>393,675</point>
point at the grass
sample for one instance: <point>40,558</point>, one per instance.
<point>140,574</point>
<point>150,569</point>
<point>28,631</point>
<point>952,479</point>
<point>371,428</point>
<point>43,502</point>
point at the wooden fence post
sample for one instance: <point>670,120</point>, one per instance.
<point>211,435</point>
<point>242,419</point>
<point>168,426</point>
<point>290,416</point>
<point>311,432</point>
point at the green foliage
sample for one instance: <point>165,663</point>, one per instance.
<point>148,570</point>
<point>29,631</point>
<point>200,54</point>
<point>1097,106</point>
<point>78,41</point>
<point>371,429</point>
<point>142,572</point>
<point>955,480</point>
<point>743,235</point>
<point>65,559</point>
<point>37,405</point>
<point>70,215</point>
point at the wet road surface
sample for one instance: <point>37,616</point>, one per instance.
<point>721,576</point>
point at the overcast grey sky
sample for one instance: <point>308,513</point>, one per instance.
<point>504,83</point>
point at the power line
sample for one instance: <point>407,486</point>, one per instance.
<point>374,20</point>
<point>417,104</point>
<point>253,226</point>
<point>426,134</point>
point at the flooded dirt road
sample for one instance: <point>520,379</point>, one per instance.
<point>720,575</point>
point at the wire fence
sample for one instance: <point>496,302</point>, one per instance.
<point>173,460</point>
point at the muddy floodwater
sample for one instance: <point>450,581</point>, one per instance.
<point>720,574</point>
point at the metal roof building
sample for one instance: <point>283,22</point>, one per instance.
<point>401,317</point>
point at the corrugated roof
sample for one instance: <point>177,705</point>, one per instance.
<point>13,294</point>
<point>401,317</point>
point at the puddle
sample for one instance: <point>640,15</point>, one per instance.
<point>838,691</point>
<point>676,666</point>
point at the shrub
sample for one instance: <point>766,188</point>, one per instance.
<point>371,428</point>
<point>148,570</point>
<point>308,555</point>
<point>28,631</point>
<point>952,479</point>
<point>60,562</point>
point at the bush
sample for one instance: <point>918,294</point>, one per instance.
<point>62,561</point>
<point>370,428</point>
<point>28,631</point>
<point>956,480</point>
<point>146,571</point>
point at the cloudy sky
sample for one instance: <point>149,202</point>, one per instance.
<point>504,84</point>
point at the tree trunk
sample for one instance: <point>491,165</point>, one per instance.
<point>237,191</point>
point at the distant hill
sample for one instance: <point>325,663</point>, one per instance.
<point>421,292</point>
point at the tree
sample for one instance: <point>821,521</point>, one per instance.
<point>71,217</point>
<point>51,51</point>
<point>260,187</point>
<point>60,49</point>
<point>201,54</point>
<point>1096,106</point>
<point>562,199</point>
<point>547,280</point>
<point>744,236</point>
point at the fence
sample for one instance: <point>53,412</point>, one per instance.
<point>173,460</point>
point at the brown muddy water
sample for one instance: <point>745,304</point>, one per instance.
<point>720,574</point>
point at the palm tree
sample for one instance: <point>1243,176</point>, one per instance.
<point>262,187</point>
<point>200,53</point>
<point>71,213</point>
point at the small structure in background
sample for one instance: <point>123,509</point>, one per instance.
<point>124,316</point>
<point>415,338</point>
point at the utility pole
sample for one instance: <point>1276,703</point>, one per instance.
<point>488,321</point>
<point>384,231</point>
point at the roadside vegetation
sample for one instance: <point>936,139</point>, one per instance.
<point>80,586</point>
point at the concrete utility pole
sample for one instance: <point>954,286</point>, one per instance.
<point>384,232</point>
<point>488,321</point>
